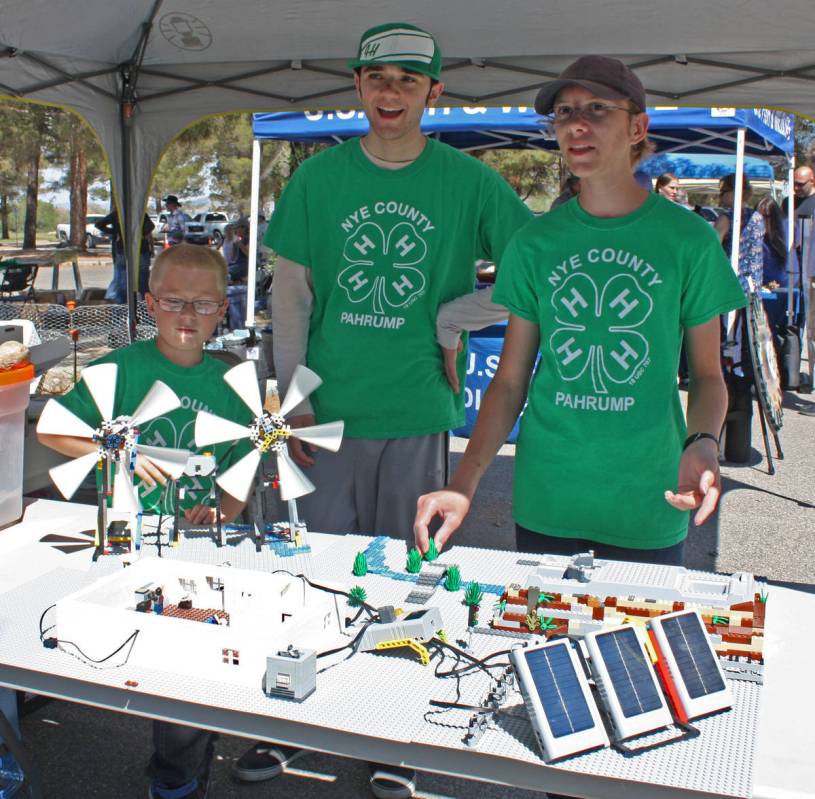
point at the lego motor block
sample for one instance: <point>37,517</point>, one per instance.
<point>215,622</point>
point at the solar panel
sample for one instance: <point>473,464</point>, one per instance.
<point>557,696</point>
<point>627,682</point>
<point>691,668</point>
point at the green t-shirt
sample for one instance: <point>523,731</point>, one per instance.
<point>199,387</point>
<point>601,437</point>
<point>386,248</point>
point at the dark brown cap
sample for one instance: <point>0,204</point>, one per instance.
<point>604,77</point>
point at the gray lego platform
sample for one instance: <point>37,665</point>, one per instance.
<point>377,704</point>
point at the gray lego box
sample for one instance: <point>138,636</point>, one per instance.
<point>291,674</point>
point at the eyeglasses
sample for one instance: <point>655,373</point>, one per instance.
<point>201,307</point>
<point>799,184</point>
<point>590,112</point>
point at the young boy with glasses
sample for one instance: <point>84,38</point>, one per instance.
<point>606,286</point>
<point>187,298</point>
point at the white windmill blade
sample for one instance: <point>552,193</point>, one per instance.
<point>57,420</point>
<point>160,399</point>
<point>212,429</point>
<point>303,382</point>
<point>244,380</point>
<point>101,382</point>
<point>125,498</point>
<point>170,461</point>
<point>237,479</point>
<point>293,483</point>
<point>68,476</point>
<point>328,435</point>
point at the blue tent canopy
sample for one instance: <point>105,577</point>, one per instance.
<point>704,166</point>
<point>697,130</point>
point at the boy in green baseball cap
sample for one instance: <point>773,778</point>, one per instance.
<point>374,237</point>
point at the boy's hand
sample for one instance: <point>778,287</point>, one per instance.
<point>202,514</point>
<point>699,480</point>
<point>148,472</point>
<point>451,506</point>
<point>297,449</point>
<point>450,356</point>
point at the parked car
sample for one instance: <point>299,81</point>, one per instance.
<point>207,228</point>
<point>93,237</point>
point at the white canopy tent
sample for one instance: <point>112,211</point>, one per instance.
<point>141,71</point>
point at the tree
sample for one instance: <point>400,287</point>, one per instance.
<point>804,141</point>
<point>83,163</point>
<point>11,174</point>
<point>529,172</point>
<point>37,119</point>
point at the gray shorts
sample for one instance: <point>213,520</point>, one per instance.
<point>371,485</point>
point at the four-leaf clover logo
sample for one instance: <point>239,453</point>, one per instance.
<point>382,266</point>
<point>597,329</point>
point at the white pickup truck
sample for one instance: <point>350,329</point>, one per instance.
<point>93,237</point>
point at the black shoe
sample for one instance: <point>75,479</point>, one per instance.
<point>265,761</point>
<point>392,782</point>
<point>197,789</point>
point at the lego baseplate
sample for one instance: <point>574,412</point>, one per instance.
<point>387,694</point>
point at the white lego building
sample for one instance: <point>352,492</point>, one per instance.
<point>258,615</point>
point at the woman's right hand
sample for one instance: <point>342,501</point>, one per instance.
<point>450,506</point>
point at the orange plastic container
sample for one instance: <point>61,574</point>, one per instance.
<point>14,394</point>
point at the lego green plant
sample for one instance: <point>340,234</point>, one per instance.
<point>360,565</point>
<point>432,552</point>
<point>452,578</point>
<point>762,597</point>
<point>442,636</point>
<point>414,561</point>
<point>545,598</point>
<point>473,595</point>
<point>532,622</point>
<point>499,607</point>
<point>547,623</point>
<point>357,596</point>
<point>720,620</point>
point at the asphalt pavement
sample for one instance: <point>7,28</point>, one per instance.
<point>765,525</point>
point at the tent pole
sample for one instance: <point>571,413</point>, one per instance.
<point>791,272</point>
<point>735,233</point>
<point>253,235</point>
<point>125,215</point>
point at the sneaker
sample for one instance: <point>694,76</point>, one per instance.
<point>265,761</point>
<point>392,782</point>
<point>197,789</point>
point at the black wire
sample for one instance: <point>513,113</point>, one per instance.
<point>371,610</point>
<point>132,637</point>
<point>42,632</point>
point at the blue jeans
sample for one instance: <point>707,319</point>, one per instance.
<point>117,290</point>
<point>181,754</point>
<point>236,313</point>
<point>530,541</point>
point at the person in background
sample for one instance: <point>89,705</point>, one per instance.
<point>667,185</point>
<point>176,229</point>
<point>751,241</point>
<point>228,245</point>
<point>571,188</point>
<point>775,245</point>
<point>117,290</point>
<point>238,273</point>
<point>804,188</point>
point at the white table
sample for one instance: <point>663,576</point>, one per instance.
<point>352,714</point>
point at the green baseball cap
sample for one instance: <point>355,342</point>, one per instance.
<point>402,44</point>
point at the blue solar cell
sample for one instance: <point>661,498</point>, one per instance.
<point>559,690</point>
<point>697,665</point>
<point>629,672</point>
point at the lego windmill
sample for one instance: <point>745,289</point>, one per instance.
<point>268,433</point>
<point>116,439</point>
